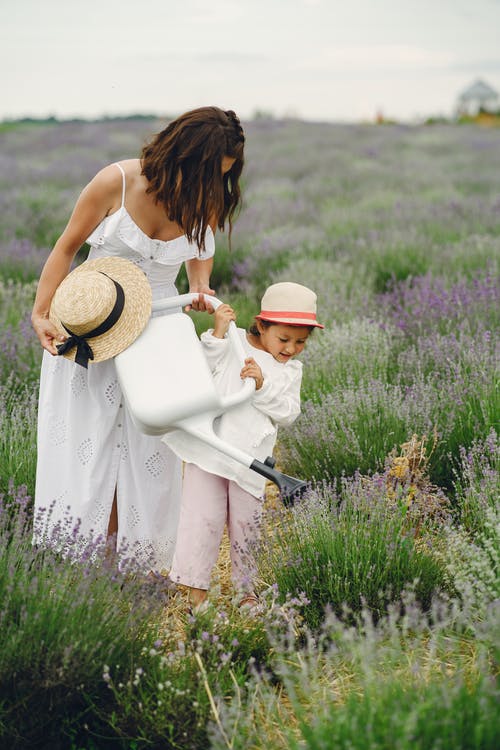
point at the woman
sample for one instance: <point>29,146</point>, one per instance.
<point>158,211</point>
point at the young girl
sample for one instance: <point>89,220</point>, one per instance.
<point>217,490</point>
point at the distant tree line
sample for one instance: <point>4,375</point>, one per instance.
<point>52,119</point>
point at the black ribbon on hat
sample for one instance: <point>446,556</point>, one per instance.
<point>83,349</point>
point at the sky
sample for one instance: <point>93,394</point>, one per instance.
<point>326,60</point>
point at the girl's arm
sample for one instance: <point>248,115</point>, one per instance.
<point>279,398</point>
<point>97,199</point>
<point>214,342</point>
<point>222,319</point>
<point>216,346</point>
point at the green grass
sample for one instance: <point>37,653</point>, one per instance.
<point>18,434</point>
<point>409,715</point>
<point>60,623</point>
<point>350,553</point>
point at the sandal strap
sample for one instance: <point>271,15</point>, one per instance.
<point>251,599</point>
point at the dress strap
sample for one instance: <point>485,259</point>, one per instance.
<point>123,182</point>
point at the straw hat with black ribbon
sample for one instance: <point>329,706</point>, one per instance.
<point>102,307</point>
<point>289,303</point>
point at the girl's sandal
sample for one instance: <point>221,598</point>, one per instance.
<point>249,603</point>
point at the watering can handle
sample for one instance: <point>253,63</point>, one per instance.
<point>180,300</point>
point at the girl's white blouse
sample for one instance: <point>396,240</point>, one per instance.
<point>250,426</point>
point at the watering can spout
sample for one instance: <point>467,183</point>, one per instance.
<point>290,488</point>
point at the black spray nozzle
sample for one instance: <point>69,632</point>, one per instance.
<point>290,488</point>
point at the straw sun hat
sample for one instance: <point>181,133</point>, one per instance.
<point>289,303</point>
<point>102,307</point>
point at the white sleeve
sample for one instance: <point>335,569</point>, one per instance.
<point>279,397</point>
<point>214,349</point>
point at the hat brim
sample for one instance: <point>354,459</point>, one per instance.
<point>309,322</point>
<point>135,314</point>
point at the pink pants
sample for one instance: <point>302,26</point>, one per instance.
<point>208,503</point>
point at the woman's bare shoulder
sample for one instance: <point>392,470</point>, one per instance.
<point>133,174</point>
<point>108,182</point>
<point>131,167</point>
<point>109,178</point>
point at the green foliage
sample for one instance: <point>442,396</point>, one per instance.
<point>16,299</point>
<point>350,355</point>
<point>61,621</point>
<point>352,429</point>
<point>81,664</point>
<point>370,390</point>
<point>461,425</point>
<point>412,679</point>
<point>440,713</point>
<point>352,555</point>
<point>45,212</point>
<point>477,483</point>
<point>359,214</point>
<point>19,271</point>
<point>397,264</point>
<point>18,411</point>
<point>473,563</point>
<point>170,702</point>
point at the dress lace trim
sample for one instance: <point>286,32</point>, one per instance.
<point>167,252</point>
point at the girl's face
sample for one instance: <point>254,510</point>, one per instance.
<point>283,341</point>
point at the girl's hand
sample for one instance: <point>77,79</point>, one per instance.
<point>47,333</point>
<point>223,316</point>
<point>252,370</point>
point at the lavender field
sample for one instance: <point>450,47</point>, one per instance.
<point>380,590</point>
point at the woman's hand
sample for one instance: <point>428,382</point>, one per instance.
<point>252,370</point>
<point>201,304</point>
<point>198,273</point>
<point>47,333</point>
<point>223,316</point>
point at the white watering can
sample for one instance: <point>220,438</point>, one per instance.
<point>165,392</point>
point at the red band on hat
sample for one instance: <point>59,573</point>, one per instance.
<point>286,314</point>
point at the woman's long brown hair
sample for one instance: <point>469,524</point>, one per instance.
<point>183,165</point>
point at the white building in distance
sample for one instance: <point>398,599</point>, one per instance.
<point>476,97</point>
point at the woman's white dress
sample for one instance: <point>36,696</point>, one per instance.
<point>87,443</point>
